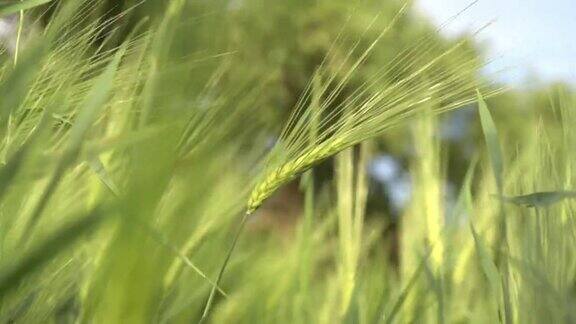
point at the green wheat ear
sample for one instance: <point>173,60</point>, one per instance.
<point>370,110</point>
<point>291,169</point>
<point>423,76</point>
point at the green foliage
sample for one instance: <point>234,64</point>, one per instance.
<point>137,136</point>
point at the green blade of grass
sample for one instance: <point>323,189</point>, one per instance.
<point>540,199</point>
<point>437,286</point>
<point>397,306</point>
<point>10,7</point>
<point>47,249</point>
<point>488,267</point>
<point>239,230</point>
<point>100,170</point>
<point>15,85</point>
<point>460,206</point>
<point>95,100</point>
<point>163,241</point>
<point>19,36</point>
<point>492,141</point>
<point>10,170</point>
<point>495,154</point>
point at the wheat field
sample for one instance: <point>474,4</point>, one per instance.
<point>214,162</point>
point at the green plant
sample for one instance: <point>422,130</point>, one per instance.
<point>132,144</point>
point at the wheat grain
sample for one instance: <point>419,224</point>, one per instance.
<point>370,109</point>
<point>288,171</point>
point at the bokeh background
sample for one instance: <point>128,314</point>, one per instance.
<point>235,69</point>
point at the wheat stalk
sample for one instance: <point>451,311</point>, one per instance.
<point>371,108</point>
<point>411,81</point>
<point>365,117</point>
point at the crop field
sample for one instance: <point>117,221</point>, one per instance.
<point>326,161</point>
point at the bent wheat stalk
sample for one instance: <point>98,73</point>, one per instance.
<point>424,75</point>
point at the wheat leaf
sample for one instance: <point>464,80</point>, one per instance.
<point>389,318</point>
<point>540,199</point>
<point>10,7</point>
<point>99,169</point>
<point>95,100</point>
<point>487,265</point>
<point>492,141</point>
<point>43,252</point>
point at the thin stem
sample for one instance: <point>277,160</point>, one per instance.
<point>223,268</point>
<point>306,242</point>
<point>18,35</point>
